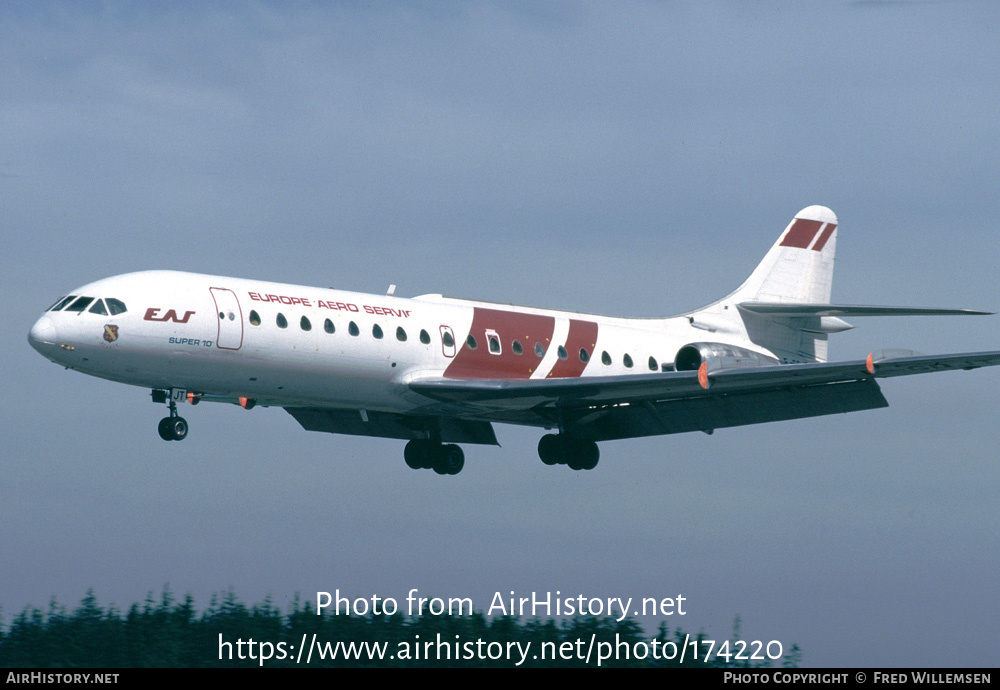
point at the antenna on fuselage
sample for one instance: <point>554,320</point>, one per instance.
<point>391,291</point>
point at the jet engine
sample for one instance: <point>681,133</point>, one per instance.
<point>719,356</point>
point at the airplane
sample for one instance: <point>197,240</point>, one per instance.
<point>437,371</point>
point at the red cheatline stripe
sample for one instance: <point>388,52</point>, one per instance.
<point>802,233</point>
<point>480,363</point>
<point>821,242</point>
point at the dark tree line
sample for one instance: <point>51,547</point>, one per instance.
<point>168,633</point>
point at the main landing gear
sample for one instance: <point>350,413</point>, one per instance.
<point>422,454</point>
<point>559,449</point>
<point>174,427</point>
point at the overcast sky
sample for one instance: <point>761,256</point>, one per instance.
<point>628,158</point>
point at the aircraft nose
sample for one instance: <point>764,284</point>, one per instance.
<point>42,333</point>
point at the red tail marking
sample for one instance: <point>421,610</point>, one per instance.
<point>821,242</point>
<point>801,233</point>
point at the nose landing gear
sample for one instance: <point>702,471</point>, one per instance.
<point>174,427</point>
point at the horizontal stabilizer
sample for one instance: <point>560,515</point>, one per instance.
<point>797,310</point>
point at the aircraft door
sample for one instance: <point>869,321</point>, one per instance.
<point>230,315</point>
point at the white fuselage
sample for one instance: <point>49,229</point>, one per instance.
<point>299,345</point>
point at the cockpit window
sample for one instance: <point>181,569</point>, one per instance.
<point>98,308</point>
<point>63,301</point>
<point>115,306</point>
<point>80,304</point>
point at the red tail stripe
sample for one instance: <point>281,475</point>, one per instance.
<point>801,233</point>
<point>821,242</point>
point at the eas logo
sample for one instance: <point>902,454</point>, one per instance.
<point>171,315</point>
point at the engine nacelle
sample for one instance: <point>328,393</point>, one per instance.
<point>719,356</point>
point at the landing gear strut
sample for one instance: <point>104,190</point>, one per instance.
<point>559,449</point>
<point>422,454</point>
<point>174,427</point>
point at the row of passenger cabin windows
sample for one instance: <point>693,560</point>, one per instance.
<point>493,341</point>
<point>105,307</point>
<point>306,325</point>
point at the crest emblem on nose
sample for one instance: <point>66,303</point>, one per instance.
<point>110,333</point>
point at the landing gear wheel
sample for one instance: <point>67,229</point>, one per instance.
<point>449,459</point>
<point>583,455</point>
<point>173,428</point>
<point>550,449</point>
<point>557,449</point>
<point>164,429</point>
<point>419,454</point>
<point>179,428</point>
<point>423,454</point>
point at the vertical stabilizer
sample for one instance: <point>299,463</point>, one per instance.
<point>798,269</point>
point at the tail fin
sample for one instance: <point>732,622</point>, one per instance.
<point>798,269</point>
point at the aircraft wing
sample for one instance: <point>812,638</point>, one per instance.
<point>612,407</point>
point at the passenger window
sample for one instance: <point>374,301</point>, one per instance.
<point>539,350</point>
<point>98,308</point>
<point>328,326</point>
<point>304,324</point>
<point>254,318</point>
<point>561,352</point>
<point>606,358</point>
<point>282,321</point>
<point>400,334</point>
<point>653,366</point>
<point>352,328</point>
<point>447,339</point>
<point>494,344</point>
<point>115,306</point>
<point>377,331</point>
<point>471,342</point>
<point>80,304</point>
<point>516,348</point>
<point>627,361</point>
<point>424,337</point>
<point>584,355</point>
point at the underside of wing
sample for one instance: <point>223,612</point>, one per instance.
<point>392,425</point>
<point>613,407</point>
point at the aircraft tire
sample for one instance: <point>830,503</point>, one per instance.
<point>450,459</point>
<point>581,455</point>
<point>164,429</point>
<point>417,454</point>
<point>587,455</point>
<point>551,449</point>
<point>178,427</point>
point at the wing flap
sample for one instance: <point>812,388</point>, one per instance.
<point>390,425</point>
<point>728,410</point>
